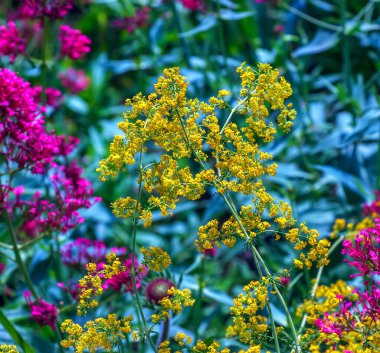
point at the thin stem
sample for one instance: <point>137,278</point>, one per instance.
<point>237,217</point>
<point>268,273</point>
<point>312,19</point>
<point>232,113</point>
<point>316,283</point>
<point>164,332</point>
<point>16,250</point>
<point>133,272</point>
<point>198,308</point>
<point>269,309</point>
<point>184,44</point>
<point>346,50</point>
<point>222,41</point>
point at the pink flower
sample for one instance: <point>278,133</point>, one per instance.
<point>133,22</point>
<point>54,9</point>
<point>2,267</point>
<point>23,135</point>
<point>374,207</point>
<point>158,289</point>
<point>72,288</point>
<point>123,281</point>
<point>210,252</point>
<point>74,80</point>
<point>74,44</point>
<point>365,252</point>
<point>82,251</point>
<point>285,281</point>
<point>11,42</point>
<point>41,311</point>
<point>193,4</point>
<point>53,97</point>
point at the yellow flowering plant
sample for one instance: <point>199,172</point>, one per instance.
<point>205,147</point>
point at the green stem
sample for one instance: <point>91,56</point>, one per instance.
<point>133,272</point>
<point>232,113</point>
<point>221,37</point>
<point>19,261</point>
<point>268,273</point>
<point>232,208</point>
<point>312,19</point>
<point>269,309</point>
<point>346,51</point>
<point>184,44</point>
<point>198,307</point>
<point>316,283</point>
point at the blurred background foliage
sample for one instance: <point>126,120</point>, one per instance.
<point>328,165</point>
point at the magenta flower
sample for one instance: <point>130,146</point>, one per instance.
<point>365,252</point>
<point>210,252</point>
<point>53,97</point>
<point>54,9</point>
<point>23,136</point>
<point>74,44</point>
<point>11,42</point>
<point>123,281</point>
<point>82,251</point>
<point>41,311</point>
<point>285,281</point>
<point>158,289</point>
<point>374,207</point>
<point>72,288</point>
<point>193,4</point>
<point>74,80</point>
<point>131,23</point>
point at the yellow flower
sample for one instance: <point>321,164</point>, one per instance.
<point>8,348</point>
<point>156,259</point>
<point>104,333</point>
<point>175,301</point>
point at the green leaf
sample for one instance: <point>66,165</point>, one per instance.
<point>14,334</point>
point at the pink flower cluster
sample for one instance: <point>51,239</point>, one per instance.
<point>81,251</point>
<point>28,147</point>
<point>75,81</point>
<point>54,9</point>
<point>372,208</point>
<point>364,256</point>
<point>41,311</point>
<point>193,4</point>
<point>11,42</point>
<point>74,44</point>
<point>25,141</point>
<point>131,23</point>
<point>123,281</point>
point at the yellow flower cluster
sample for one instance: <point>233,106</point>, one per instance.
<point>8,348</point>
<point>363,337</point>
<point>156,259</point>
<point>213,347</point>
<point>200,347</point>
<point>247,324</point>
<point>351,229</point>
<point>175,301</point>
<point>91,283</point>
<point>106,333</point>
<point>325,300</point>
<point>228,154</point>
